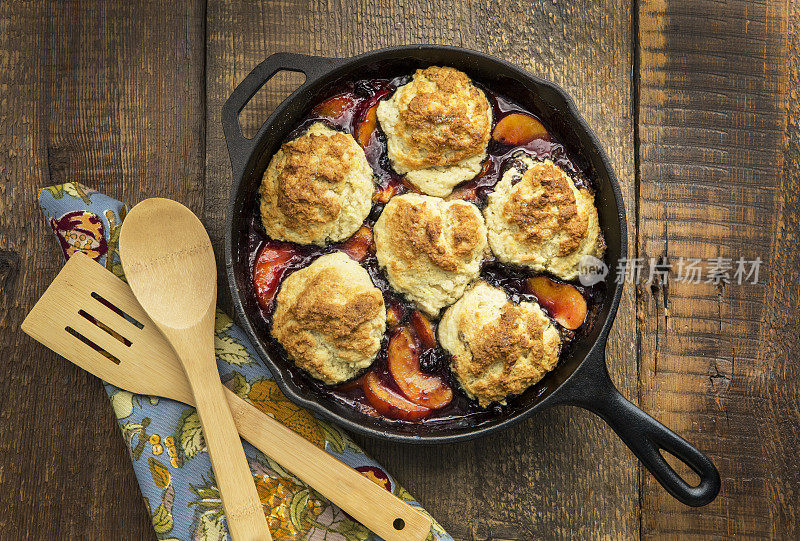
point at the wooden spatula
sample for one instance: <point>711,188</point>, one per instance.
<point>169,264</point>
<point>91,317</point>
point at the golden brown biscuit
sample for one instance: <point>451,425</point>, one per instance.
<point>430,248</point>
<point>498,348</point>
<point>317,188</point>
<point>330,318</point>
<point>537,218</point>
<point>437,128</point>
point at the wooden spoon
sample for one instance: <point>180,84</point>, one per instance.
<point>169,264</point>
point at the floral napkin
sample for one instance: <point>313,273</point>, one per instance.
<point>165,439</point>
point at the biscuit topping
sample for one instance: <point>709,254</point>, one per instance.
<point>498,348</point>
<point>430,248</point>
<point>510,337</point>
<point>423,233</point>
<point>330,318</point>
<point>314,166</point>
<point>317,188</point>
<point>437,129</point>
<point>539,219</point>
<point>543,204</point>
<point>320,308</point>
<point>447,121</point>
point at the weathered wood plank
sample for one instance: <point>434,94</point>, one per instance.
<point>563,474</point>
<point>109,95</point>
<point>719,178</point>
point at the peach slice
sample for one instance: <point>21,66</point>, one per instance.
<point>424,329</point>
<point>359,244</point>
<point>518,129</point>
<point>563,301</point>
<point>420,388</point>
<point>389,403</point>
<point>269,269</point>
<point>335,106</point>
<point>382,195</point>
<point>366,128</point>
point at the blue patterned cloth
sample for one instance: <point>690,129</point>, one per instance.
<point>165,438</point>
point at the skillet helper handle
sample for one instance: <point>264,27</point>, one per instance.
<point>239,146</point>
<point>370,504</point>
<point>646,437</point>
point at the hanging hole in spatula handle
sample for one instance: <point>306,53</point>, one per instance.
<point>240,147</point>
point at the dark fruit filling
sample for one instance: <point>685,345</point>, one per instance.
<point>410,379</point>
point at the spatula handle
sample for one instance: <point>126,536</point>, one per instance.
<point>370,504</point>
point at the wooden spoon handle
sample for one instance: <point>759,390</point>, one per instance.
<point>243,508</point>
<point>370,504</point>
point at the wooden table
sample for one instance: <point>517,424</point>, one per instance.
<point>698,108</point>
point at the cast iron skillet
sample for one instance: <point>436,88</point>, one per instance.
<point>581,377</point>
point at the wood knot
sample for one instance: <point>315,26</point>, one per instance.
<point>9,271</point>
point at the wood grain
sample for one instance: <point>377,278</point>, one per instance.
<point>563,474</point>
<point>107,94</point>
<point>125,97</point>
<point>718,177</point>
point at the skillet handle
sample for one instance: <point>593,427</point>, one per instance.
<point>591,388</point>
<point>240,147</point>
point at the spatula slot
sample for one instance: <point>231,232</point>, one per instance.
<point>105,327</point>
<point>99,298</point>
<point>92,345</point>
